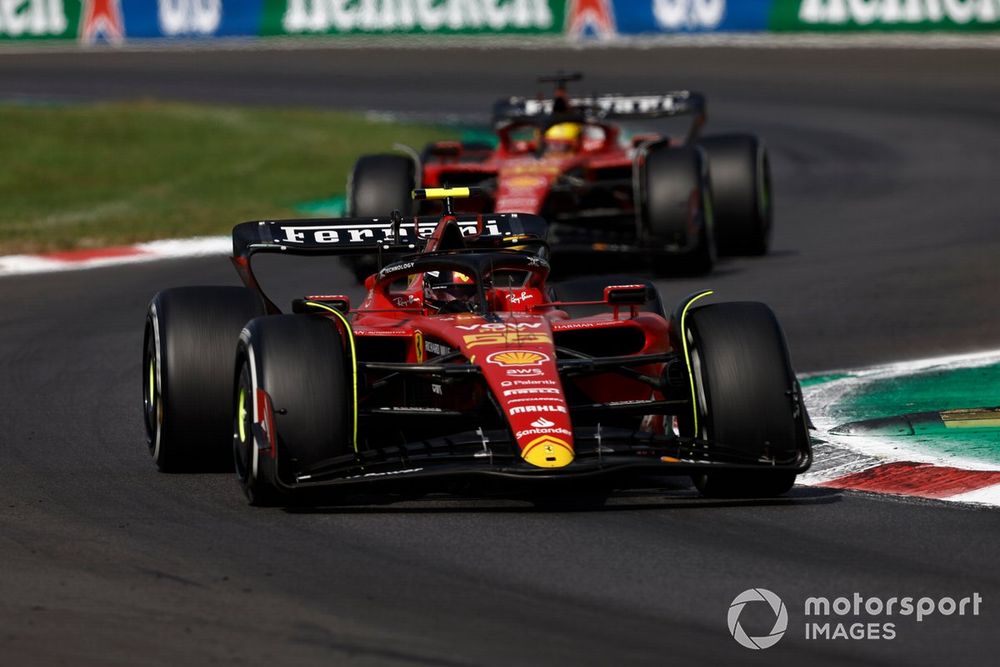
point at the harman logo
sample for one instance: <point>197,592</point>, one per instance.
<point>780,618</point>
<point>518,358</point>
<point>416,15</point>
<point>836,12</point>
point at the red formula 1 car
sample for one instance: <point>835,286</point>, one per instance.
<point>463,370</point>
<point>579,163</point>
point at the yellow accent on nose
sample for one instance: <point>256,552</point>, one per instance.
<point>548,452</point>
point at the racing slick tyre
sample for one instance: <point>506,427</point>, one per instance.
<point>741,193</point>
<point>292,402</point>
<point>592,289</point>
<point>747,398</point>
<point>378,185</point>
<point>188,346</point>
<point>676,205</point>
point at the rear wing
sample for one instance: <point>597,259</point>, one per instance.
<point>340,236</point>
<point>599,107</point>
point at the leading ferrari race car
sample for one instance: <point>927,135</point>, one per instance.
<point>463,370</point>
<point>580,163</point>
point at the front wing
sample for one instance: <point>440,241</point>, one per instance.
<point>617,457</point>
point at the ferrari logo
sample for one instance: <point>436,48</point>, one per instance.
<point>548,452</point>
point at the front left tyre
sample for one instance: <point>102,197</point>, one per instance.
<point>187,367</point>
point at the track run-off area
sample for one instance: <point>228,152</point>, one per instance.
<point>884,252</point>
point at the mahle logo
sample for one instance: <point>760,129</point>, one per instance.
<point>780,618</point>
<point>416,16</point>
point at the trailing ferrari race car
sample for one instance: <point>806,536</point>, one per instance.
<point>462,370</point>
<point>604,181</point>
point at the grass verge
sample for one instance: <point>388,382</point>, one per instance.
<point>117,173</point>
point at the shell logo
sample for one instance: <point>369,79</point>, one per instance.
<point>518,358</point>
<point>548,452</point>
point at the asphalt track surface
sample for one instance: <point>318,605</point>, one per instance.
<point>886,248</point>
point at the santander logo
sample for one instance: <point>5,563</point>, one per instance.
<point>542,422</point>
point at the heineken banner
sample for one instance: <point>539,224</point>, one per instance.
<point>372,17</point>
<point>116,21</point>
<point>898,15</point>
<point>611,18</point>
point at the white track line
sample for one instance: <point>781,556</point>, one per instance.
<point>13,265</point>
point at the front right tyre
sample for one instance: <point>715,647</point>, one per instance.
<point>293,404</point>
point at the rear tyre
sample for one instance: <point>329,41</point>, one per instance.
<point>746,396</point>
<point>741,189</point>
<point>677,208</point>
<point>378,185</point>
<point>188,346</point>
<point>301,365</point>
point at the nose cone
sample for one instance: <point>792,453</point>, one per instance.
<point>548,452</point>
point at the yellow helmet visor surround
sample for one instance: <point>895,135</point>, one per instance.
<point>564,132</point>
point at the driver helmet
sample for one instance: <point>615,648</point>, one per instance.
<point>449,290</point>
<point>564,137</point>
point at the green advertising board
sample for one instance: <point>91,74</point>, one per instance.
<point>374,17</point>
<point>39,19</point>
<point>885,15</point>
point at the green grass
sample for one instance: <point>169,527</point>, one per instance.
<point>108,174</point>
